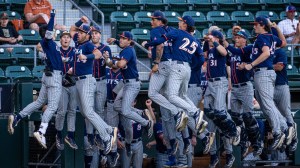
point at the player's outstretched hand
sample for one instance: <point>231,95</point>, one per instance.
<point>84,19</point>
<point>111,40</point>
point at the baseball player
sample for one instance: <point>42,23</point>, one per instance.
<point>68,99</point>
<point>264,75</point>
<point>136,144</point>
<point>242,95</point>
<point>161,55</point>
<point>51,85</point>
<point>131,88</point>
<point>86,83</point>
<point>282,97</point>
<point>184,46</point>
<point>99,74</point>
<point>113,77</point>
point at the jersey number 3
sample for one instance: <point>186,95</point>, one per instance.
<point>186,43</point>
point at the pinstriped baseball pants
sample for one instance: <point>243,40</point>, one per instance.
<point>67,104</point>
<point>241,99</point>
<point>100,99</point>
<point>123,104</point>
<point>282,99</point>
<point>178,85</point>
<point>86,96</point>
<point>264,91</point>
<point>136,157</point>
<point>50,91</point>
<point>157,82</point>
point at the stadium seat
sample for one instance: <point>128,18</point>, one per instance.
<point>273,5</point>
<point>37,71</point>
<point>243,18</point>
<point>131,6</point>
<point>153,5</point>
<point>24,56</point>
<point>219,18</point>
<point>3,78</point>
<point>293,73</point>
<point>17,5</point>
<point>106,6</point>
<point>5,58</point>
<point>200,5</point>
<point>142,17</point>
<point>140,34</point>
<point>18,73</point>
<point>12,15</point>
<point>30,37</point>
<point>271,14</point>
<point>3,5</point>
<point>121,21</point>
<point>295,3</point>
<point>249,5</point>
<point>199,17</point>
<point>198,34</point>
<point>179,6</point>
<point>282,15</point>
<point>224,5</point>
<point>172,18</point>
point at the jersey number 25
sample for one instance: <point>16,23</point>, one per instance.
<point>186,43</point>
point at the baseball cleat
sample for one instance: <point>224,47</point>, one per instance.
<point>71,142</point>
<point>198,118</point>
<point>59,143</point>
<point>174,148</point>
<point>290,134</point>
<point>209,141</point>
<point>278,140</point>
<point>214,160</point>
<point>98,142</point>
<point>114,159</point>
<point>40,138</point>
<point>181,120</point>
<point>203,126</point>
<point>229,160</point>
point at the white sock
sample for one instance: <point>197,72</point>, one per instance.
<point>43,128</point>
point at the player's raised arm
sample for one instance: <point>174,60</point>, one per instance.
<point>73,28</point>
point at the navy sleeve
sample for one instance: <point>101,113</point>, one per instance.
<point>238,51</point>
<point>278,41</point>
<point>75,37</point>
<point>90,47</point>
<point>127,55</point>
<point>281,56</point>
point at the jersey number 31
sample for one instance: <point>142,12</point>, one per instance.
<point>186,44</point>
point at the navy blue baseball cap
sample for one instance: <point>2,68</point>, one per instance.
<point>290,8</point>
<point>159,15</point>
<point>96,28</point>
<point>262,20</point>
<point>217,34</point>
<point>126,34</point>
<point>85,29</point>
<point>188,20</point>
<point>242,34</point>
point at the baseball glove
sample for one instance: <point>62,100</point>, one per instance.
<point>68,80</point>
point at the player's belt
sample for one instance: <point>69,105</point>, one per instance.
<point>136,140</point>
<point>194,85</point>
<point>101,78</point>
<point>262,69</point>
<point>214,79</point>
<point>239,84</point>
<point>82,77</point>
<point>130,80</point>
<point>110,101</point>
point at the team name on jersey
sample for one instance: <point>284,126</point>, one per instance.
<point>113,81</point>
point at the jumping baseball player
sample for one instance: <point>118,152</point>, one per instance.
<point>264,75</point>
<point>184,46</point>
<point>68,99</point>
<point>242,95</point>
<point>131,88</point>
<point>282,97</point>
<point>51,85</point>
<point>86,83</point>
<point>99,74</point>
<point>161,55</point>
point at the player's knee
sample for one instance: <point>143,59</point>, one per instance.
<point>220,114</point>
<point>209,113</point>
